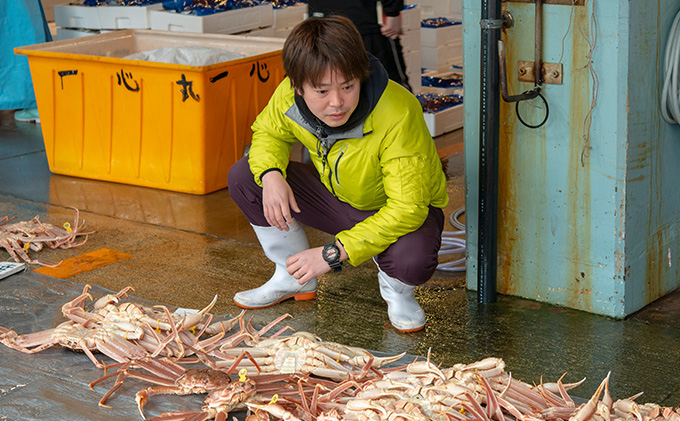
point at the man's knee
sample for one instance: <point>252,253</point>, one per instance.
<point>412,268</point>
<point>239,173</point>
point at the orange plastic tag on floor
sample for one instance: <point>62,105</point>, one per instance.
<point>83,263</point>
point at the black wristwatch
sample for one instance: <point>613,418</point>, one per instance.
<point>331,254</point>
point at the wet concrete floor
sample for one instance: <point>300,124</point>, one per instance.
<point>187,248</point>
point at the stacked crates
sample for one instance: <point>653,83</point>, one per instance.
<point>286,17</point>
<point>216,21</point>
<point>410,43</point>
<point>79,20</point>
<point>441,41</point>
<point>441,46</point>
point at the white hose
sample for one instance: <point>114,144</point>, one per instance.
<point>670,101</point>
<point>451,244</point>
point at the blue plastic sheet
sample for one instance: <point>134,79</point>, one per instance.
<point>22,22</point>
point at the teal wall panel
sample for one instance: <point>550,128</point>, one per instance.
<point>588,203</point>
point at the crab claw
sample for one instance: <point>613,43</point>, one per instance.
<point>588,409</point>
<point>142,397</point>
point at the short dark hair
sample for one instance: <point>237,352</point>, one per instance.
<point>321,43</point>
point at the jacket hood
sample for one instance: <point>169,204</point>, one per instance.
<point>371,91</point>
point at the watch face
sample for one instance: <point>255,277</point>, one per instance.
<point>332,252</point>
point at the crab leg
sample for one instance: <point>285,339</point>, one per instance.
<point>588,409</point>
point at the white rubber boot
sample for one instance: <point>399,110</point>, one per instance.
<point>278,246</point>
<point>405,313</point>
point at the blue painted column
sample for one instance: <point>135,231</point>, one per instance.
<point>589,203</point>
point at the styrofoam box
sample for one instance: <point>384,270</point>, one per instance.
<point>69,33</point>
<point>442,91</point>
<point>48,7</point>
<point>442,57</point>
<point>410,40</point>
<point>412,60</point>
<point>456,9</point>
<point>432,8</point>
<point>410,19</point>
<point>282,32</point>
<point>414,81</point>
<point>288,17</point>
<point>227,22</point>
<point>260,32</point>
<point>104,17</point>
<point>445,121</point>
<point>126,17</point>
<point>434,37</point>
<point>83,17</point>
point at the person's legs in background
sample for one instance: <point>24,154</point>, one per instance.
<point>22,22</point>
<point>391,56</point>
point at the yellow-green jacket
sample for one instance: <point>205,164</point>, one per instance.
<point>389,164</point>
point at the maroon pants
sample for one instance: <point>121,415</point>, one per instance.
<point>412,258</point>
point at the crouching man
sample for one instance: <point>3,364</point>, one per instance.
<point>376,182</point>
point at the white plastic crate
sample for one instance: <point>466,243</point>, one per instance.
<point>104,17</point>
<point>288,17</point>
<point>445,121</point>
<point>227,22</point>
<point>435,37</point>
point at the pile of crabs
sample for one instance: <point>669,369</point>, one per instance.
<point>273,374</point>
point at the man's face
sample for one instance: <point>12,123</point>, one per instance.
<point>334,100</point>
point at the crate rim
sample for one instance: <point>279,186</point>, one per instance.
<point>46,49</point>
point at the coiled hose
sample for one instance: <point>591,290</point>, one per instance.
<point>670,101</point>
<point>452,244</point>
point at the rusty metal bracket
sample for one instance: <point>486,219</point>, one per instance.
<point>562,2</point>
<point>550,72</point>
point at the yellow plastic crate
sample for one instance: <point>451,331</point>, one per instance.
<point>167,126</point>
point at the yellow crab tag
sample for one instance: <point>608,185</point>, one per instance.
<point>274,399</point>
<point>28,243</point>
<point>67,227</point>
<point>192,330</point>
<point>462,410</point>
<point>158,326</point>
<point>242,375</point>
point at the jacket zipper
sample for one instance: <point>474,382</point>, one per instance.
<point>324,157</point>
<point>337,162</point>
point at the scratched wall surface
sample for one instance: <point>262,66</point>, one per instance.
<point>587,205</point>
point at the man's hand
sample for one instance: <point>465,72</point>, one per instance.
<point>310,263</point>
<point>278,200</point>
<point>392,27</point>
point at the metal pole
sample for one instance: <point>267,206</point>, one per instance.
<point>489,111</point>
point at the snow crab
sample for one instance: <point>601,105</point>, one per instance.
<point>306,353</point>
<point>122,332</point>
<point>20,237</point>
